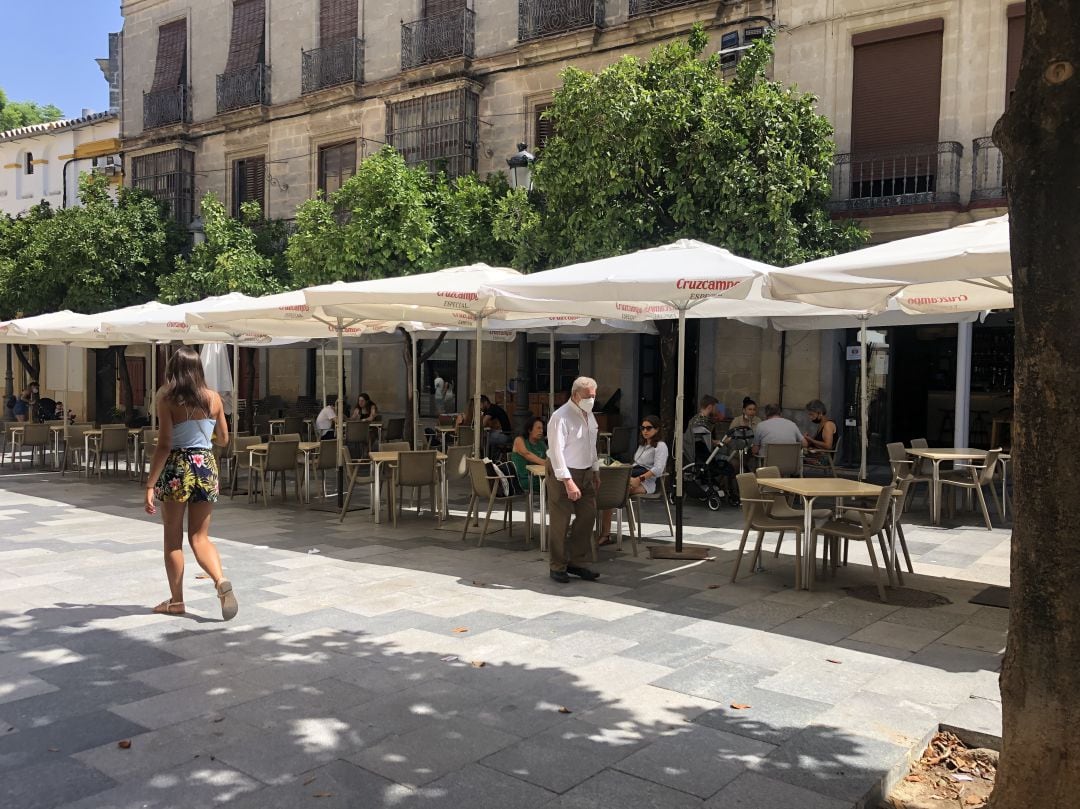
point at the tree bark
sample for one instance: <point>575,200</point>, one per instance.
<point>1040,682</point>
<point>31,365</point>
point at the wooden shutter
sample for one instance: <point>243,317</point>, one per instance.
<point>433,8</point>
<point>170,69</point>
<point>1017,23</point>
<point>896,92</point>
<point>545,127</point>
<point>136,367</point>
<point>336,165</point>
<point>248,29</point>
<point>337,21</point>
<point>249,183</point>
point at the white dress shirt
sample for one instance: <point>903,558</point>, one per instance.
<point>325,420</point>
<point>572,440</point>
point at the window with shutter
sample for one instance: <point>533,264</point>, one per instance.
<point>337,21</point>
<point>440,130</point>
<point>248,31</point>
<point>170,70</point>
<point>433,8</point>
<point>249,183</point>
<point>1017,24</point>
<point>896,92</point>
<point>170,177</point>
<point>544,127</point>
<point>337,164</point>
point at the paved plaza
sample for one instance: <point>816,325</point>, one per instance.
<point>378,667</point>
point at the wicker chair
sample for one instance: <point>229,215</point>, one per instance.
<point>974,478</point>
<point>614,495</point>
<point>241,459</point>
<point>869,525</point>
<point>417,470</point>
<point>785,457</point>
<point>485,487</point>
<point>280,458</point>
<point>113,442</point>
<point>661,494</point>
<point>360,472</point>
<point>34,437</point>
<point>74,445</point>
<point>755,507</point>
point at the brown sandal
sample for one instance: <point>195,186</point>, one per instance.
<point>228,600</point>
<point>170,607</point>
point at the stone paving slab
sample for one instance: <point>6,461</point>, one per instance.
<point>404,668</point>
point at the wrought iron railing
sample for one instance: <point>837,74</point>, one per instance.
<point>442,36</point>
<point>245,87</point>
<point>640,7</point>
<point>542,18</point>
<point>164,107</point>
<point>340,63</point>
<point>987,171</point>
<point>910,175</point>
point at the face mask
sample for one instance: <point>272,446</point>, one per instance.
<point>587,404</point>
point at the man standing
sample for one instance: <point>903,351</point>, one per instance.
<point>572,466</point>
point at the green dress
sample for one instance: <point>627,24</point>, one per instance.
<point>538,448</point>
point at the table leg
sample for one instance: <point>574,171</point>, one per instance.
<point>807,561</point>
<point>893,561</point>
<point>378,492</point>
<point>55,451</point>
<point>307,477</point>
<point>85,457</point>
<point>135,458</point>
<point>1004,489</point>
<point>937,492</point>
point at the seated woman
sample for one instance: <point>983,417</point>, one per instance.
<point>365,409</point>
<point>650,462</point>
<point>529,448</point>
<point>824,439</point>
<point>740,434</point>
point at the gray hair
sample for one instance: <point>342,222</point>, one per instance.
<point>582,383</point>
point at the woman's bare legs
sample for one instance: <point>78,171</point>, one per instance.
<point>608,513</point>
<point>199,537</point>
<point>172,515</point>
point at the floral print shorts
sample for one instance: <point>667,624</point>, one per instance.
<point>189,476</point>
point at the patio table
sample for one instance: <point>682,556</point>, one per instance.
<point>936,456</point>
<point>443,430</point>
<point>57,431</point>
<point>305,448</point>
<point>390,457</point>
<point>809,489</point>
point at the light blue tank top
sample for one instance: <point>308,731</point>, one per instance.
<point>193,434</point>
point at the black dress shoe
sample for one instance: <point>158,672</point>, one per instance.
<point>582,573</point>
<point>560,576</point>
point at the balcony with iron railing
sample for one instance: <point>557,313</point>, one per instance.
<point>639,8</point>
<point>441,36</point>
<point>904,177</point>
<point>334,65</point>
<point>246,87</point>
<point>165,107</point>
<point>987,174</point>
<point>544,18</point>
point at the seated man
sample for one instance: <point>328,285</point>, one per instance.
<point>705,419</point>
<point>324,422</point>
<point>825,436</point>
<point>776,430</point>
<point>496,420</point>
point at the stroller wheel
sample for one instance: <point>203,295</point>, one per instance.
<point>714,502</point>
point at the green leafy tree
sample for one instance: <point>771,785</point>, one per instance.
<point>14,114</point>
<point>649,151</point>
<point>238,255</point>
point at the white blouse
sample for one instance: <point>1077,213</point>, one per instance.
<point>655,460</point>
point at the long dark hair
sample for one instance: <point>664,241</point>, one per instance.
<point>655,439</point>
<point>185,382</point>
<point>529,422</point>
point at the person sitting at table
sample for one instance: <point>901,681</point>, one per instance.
<point>748,418</point>
<point>496,420</point>
<point>776,429</point>
<point>325,421</point>
<point>21,409</point>
<point>365,409</point>
<point>705,418</point>
<point>650,462</point>
<point>825,436</point>
<point>529,448</point>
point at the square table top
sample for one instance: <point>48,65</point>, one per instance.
<point>304,446</point>
<point>391,456</point>
<point>949,453</point>
<point>540,470</point>
<point>822,487</point>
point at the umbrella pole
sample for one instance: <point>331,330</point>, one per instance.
<point>153,385</point>
<point>864,399</point>
<point>340,418</point>
<point>415,396</point>
<point>679,552</point>
<point>476,387</point>
<point>235,387</point>
<point>551,372</point>
<point>67,351</point>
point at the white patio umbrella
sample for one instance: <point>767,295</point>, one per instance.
<point>450,297</point>
<point>218,372</point>
<point>673,281</point>
<point>965,268</point>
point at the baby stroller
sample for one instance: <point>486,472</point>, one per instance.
<point>707,476</point>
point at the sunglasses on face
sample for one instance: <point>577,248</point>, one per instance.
<point>645,427</point>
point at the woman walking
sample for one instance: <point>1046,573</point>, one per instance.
<point>184,476</point>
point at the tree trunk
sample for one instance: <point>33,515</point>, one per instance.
<point>1040,139</point>
<point>125,383</point>
<point>31,364</point>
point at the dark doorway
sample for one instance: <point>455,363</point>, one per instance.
<point>105,384</point>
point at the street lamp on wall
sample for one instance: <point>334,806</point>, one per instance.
<point>521,168</point>
<point>198,234</point>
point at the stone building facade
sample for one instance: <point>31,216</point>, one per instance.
<point>274,99</point>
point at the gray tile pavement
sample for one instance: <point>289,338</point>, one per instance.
<point>403,668</point>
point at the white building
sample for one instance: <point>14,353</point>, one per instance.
<point>42,162</point>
